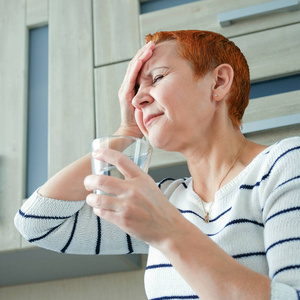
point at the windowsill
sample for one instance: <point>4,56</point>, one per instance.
<point>38,265</point>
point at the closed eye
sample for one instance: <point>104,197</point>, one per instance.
<point>157,78</point>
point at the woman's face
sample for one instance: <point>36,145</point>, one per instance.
<point>172,107</point>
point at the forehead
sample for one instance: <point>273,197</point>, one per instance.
<point>164,53</point>
<point>165,49</point>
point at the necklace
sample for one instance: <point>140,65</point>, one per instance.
<point>206,218</point>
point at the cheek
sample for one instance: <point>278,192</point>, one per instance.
<point>138,114</point>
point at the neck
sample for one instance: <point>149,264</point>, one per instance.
<point>215,163</point>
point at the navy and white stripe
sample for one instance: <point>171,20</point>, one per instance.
<point>265,176</point>
<point>255,219</point>
<point>80,231</point>
<point>98,244</point>
<point>176,297</point>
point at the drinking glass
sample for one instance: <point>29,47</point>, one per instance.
<point>138,150</point>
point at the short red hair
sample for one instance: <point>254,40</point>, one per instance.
<point>206,50</point>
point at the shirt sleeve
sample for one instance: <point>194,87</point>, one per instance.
<point>281,216</point>
<point>72,227</point>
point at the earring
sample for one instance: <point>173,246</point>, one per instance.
<point>216,95</point>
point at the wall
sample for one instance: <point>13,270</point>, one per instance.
<point>70,95</point>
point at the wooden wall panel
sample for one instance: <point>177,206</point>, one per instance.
<point>271,136</point>
<point>108,80</point>
<point>203,15</point>
<point>71,108</point>
<point>280,111</point>
<point>274,106</point>
<point>36,13</point>
<point>116,30</point>
<point>12,118</point>
<point>272,53</point>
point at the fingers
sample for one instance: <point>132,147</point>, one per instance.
<point>127,90</point>
<point>134,67</point>
<point>105,207</point>
<point>110,184</point>
<point>103,202</point>
<point>107,184</point>
<point>142,55</point>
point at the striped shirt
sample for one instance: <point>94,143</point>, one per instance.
<point>255,219</point>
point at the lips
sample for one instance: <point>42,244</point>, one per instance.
<point>150,118</point>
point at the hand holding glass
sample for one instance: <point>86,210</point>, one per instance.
<point>138,150</point>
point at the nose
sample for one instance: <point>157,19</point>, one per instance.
<point>142,98</point>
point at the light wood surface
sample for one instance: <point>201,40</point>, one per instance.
<point>108,80</point>
<point>36,13</point>
<point>274,106</point>
<point>116,30</point>
<point>71,91</point>
<point>12,118</point>
<point>272,53</point>
<point>203,15</point>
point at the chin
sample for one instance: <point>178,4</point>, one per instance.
<point>161,141</point>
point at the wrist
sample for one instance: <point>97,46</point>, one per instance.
<point>177,238</point>
<point>133,131</point>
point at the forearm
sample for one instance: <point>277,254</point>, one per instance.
<point>211,272</point>
<point>68,184</point>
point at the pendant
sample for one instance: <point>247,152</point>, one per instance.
<point>206,219</point>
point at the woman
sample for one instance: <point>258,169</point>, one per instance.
<point>231,231</point>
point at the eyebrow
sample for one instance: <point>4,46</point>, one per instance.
<point>147,74</point>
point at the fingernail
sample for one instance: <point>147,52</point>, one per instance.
<point>95,154</point>
<point>149,43</point>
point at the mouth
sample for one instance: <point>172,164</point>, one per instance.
<point>151,118</point>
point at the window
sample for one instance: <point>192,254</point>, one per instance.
<point>37,124</point>
<point>153,5</point>
<point>275,86</point>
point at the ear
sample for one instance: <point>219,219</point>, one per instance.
<point>223,76</point>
